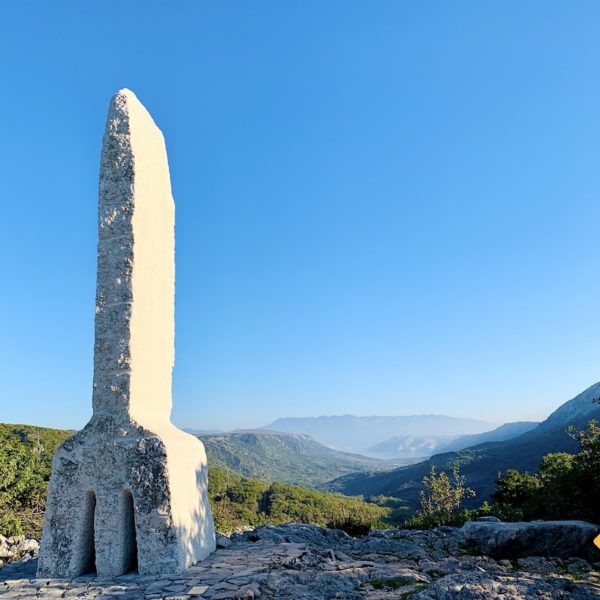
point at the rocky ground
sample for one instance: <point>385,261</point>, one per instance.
<point>303,562</point>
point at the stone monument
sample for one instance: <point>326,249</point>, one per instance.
<point>129,491</point>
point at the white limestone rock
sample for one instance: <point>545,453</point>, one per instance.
<point>130,489</point>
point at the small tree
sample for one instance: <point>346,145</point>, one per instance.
<point>442,497</point>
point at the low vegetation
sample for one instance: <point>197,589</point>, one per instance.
<point>239,502</point>
<point>566,486</point>
<point>442,501</point>
<point>25,465</point>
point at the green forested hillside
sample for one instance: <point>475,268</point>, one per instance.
<point>285,457</point>
<point>237,502</point>
<point>25,466</point>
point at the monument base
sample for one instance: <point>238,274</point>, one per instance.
<point>127,498</point>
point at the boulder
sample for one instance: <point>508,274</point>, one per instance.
<point>562,539</point>
<point>297,533</point>
<point>223,541</point>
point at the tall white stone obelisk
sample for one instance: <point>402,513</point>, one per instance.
<point>130,489</point>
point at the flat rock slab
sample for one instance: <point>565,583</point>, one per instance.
<point>306,562</point>
<point>563,539</point>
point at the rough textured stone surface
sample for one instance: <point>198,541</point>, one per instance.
<point>17,548</point>
<point>537,538</point>
<point>130,490</point>
<point>323,564</point>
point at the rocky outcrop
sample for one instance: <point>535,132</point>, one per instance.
<point>563,539</point>
<point>306,562</point>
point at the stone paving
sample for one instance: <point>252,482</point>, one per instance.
<point>308,562</point>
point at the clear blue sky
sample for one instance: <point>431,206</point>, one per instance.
<point>382,207</point>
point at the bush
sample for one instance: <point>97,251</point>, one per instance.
<point>566,487</point>
<point>441,500</point>
<point>10,524</point>
<point>238,502</point>
<point>25,467</point>
<point>354,526</point>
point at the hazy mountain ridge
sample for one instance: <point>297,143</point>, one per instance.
<point>358,434</point>
<point>481,464</point>
<point>285,457</point>
<point>406,445</point>
<point>503,433</point>
<point>409,445</point>
<point>198,432</point>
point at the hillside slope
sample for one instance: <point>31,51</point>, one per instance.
<point>481,464</point>
<point>503,433</point>
<point>276,456</point>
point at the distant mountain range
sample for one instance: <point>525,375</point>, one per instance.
<point>409,445</point>
<point>480,464</point>
<point>203,431</point>
<point>289,458</point>
<point>361,434</point>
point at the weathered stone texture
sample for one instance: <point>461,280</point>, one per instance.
<point>130,489</point>
<point>537,538</point>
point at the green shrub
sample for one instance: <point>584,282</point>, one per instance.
<point>441,501</point>
<point>566,487</point>
<point>25,466</point>
<point>354,526</point>
<point>10,524</point>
